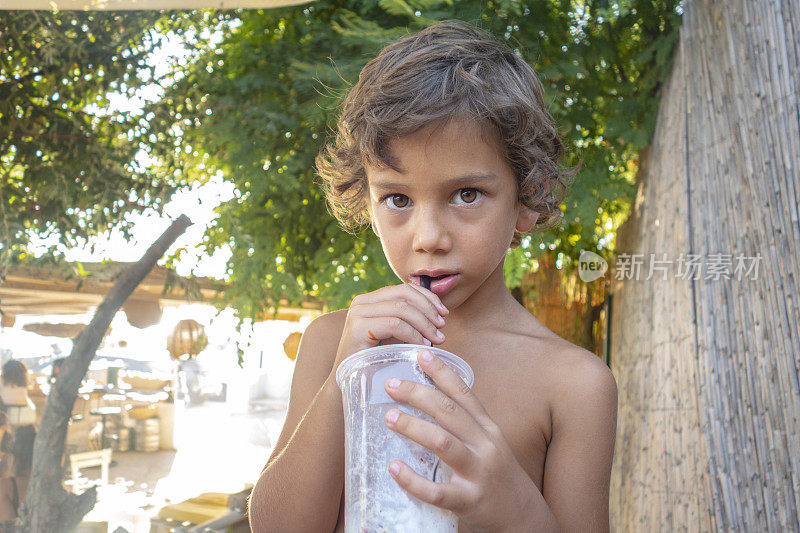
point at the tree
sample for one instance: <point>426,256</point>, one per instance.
<point>68,168</point>
<point>64,167</point>
<point>260,104</point>
<point>68,162</point>
<point>47,506</point>
<point>707,360</point>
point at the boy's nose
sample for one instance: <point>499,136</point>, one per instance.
<point>430,233</point>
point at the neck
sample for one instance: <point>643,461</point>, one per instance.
<point>488,307</point>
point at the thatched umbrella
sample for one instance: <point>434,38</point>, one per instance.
<point>120,5</point>
<point>68,331</point>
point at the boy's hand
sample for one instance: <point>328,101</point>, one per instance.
<point>400,313</point>
<point>489,490</point>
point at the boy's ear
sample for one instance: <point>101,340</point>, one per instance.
<point>526,218</point>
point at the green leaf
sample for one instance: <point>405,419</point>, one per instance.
<point>284,71</point>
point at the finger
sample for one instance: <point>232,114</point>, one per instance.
<point>409,313</point>
<point>440,407</point>
<point>432,297</point>
<point>444,495</point>
<point>435,438</point>
<point>407,294</point>
<point>453,386</point>
<point>387,327</point>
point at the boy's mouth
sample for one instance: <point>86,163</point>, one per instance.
<point>440,282</point>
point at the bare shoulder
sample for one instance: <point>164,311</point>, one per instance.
<point>564,364</point>
<point>570,377</point>
<point>579,382</point>
<point>327,324</point>
<point>315,358</point>
<point>569,361</point>
<point>319,342</point>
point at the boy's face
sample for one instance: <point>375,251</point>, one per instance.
<point>451,212</point>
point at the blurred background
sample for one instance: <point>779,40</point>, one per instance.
<point>113,123</point>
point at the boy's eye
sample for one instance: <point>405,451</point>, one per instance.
<point>467,196</point>
<point>397,200</point>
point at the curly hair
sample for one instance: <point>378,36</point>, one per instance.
<point>15,373</point>
<point>451,69</point>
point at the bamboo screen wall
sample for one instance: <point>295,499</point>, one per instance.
<point>708,434</point>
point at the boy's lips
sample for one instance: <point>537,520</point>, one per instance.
<point>443,285</point>
<point>441,282</point>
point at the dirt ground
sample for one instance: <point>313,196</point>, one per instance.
<point>217,450</point>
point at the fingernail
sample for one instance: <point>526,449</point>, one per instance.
<point>427,342</point>
<point>392,415</point>
<point>394,469</point>
<point>426,356</point>
<point>440,320</point>
<point>439,335</point>
<point>393,383</point>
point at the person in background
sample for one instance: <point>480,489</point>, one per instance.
<point>6,438</point>
<point>14,486</point>
<point>14,393</point>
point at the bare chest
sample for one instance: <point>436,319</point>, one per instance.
<point>521,411</point>
<point>515,397</point>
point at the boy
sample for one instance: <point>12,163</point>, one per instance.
<point>446,149</point>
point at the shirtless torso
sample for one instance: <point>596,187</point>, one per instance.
<point>535,357</point>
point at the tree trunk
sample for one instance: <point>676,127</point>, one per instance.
<point>707,369</point>
<point>47,506</point>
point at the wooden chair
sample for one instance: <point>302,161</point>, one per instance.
<point>101,458</point>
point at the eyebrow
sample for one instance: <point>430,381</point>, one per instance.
<point>466,179</point>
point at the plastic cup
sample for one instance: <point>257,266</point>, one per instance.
<point>374,502</point>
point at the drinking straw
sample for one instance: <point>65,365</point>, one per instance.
<point>425,281</point>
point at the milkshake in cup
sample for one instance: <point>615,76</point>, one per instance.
<point>374,502</point>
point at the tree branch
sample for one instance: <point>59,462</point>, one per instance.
<point>47,506</point>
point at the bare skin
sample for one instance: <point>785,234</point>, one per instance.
<point>531,443</point>
<point>542,367</point>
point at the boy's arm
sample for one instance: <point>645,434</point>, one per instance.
<point>578,464</point>
<point>300,488</point>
